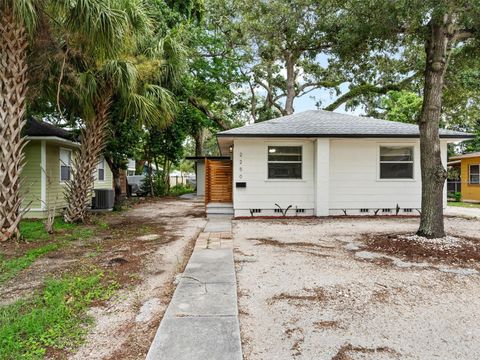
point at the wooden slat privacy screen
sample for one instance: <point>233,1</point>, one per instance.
<point>218,181</point>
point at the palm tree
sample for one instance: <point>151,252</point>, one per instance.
<point>97,88</point>
<point>77,24</point>
<point>16,18</point>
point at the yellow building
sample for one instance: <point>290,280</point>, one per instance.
<point>469,165</point>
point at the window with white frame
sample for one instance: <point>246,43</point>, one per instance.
<point>65,164</point>
<point>396,162</point>
<point>101,170</point>
<point>284,162</point>
<point>474,174</point>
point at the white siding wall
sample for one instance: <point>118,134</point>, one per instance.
<point>250,166</point>
<point>352,182</point>
<point>354,177</point>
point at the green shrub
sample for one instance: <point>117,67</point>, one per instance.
<point>159,186</point>
<point>180,189</point>
<point>457,196</point>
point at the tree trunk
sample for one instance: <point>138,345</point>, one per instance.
<point>13,89</point>
<point>199,138</point>
<point>117,183</point>
<point>290,93</point>
<point>433,172</point>
<point>80,186</point>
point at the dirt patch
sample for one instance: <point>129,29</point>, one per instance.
<point>346,350</point>
<point>302,247</point>
<point>448,251</point>
<point>136,346</point>
<point>321,325</point>
<point>316,295</point>
<point>280,244</point>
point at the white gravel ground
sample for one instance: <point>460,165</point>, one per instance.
<point>317,300</point>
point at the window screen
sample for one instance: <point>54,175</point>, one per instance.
<point>474,174</point>
<point>65,164</point>
<point>396,162</point>
<point>284,162</point>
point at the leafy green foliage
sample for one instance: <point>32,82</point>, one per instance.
<point>180,189</point>
<point>157,182</point>
<point>53,318</point>
<point>403,106</point>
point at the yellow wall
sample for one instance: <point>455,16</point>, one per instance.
<point>55,188</point>
<point>470,192</point>
<point>108,182</point>
<point>31,176</point>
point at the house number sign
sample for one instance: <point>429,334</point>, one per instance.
<point>240,163</point>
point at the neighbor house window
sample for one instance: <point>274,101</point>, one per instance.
<point>284,162</point>
<point>65,164</point>
<point>396,162</point>
<point>101,170</point>
<point>474,174</point>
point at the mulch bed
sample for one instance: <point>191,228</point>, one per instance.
<point>457,250</point>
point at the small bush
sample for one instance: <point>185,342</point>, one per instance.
<point>159,186</point>
<point>457,196</point>
<point>180,189</point>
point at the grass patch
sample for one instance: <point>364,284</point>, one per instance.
<point>53,319</point>
<point>34,230</point>
<point>11,267</point>
<point>464,204</point>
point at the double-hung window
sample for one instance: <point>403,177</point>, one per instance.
<point>101,170</point>
<point>396,162</point>
<point>284,162</point>
<point>474,174</point>
<point>65,164</point>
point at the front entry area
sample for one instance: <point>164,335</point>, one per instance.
<point>218,187</point>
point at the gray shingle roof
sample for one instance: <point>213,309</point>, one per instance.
<point>321,123</point>
<point>35,128</point>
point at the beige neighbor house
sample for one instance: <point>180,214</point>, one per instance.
<point>319,163</point>
<point>48,162</point>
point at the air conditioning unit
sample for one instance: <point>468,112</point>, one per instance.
<point>103,200</point>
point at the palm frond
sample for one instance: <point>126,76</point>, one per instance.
<point>165,100</point>
<point>173,53</point>
<point>121,74</point>
<point>24,11</point>
<point>103,22</point>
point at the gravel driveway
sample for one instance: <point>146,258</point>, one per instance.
<point>325,289</point>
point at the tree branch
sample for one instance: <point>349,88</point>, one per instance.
<point>368,88</point>
<point>215,118</point>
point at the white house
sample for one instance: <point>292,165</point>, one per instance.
<point>320,163</point>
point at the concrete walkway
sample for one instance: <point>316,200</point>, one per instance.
<point>201,322</point>
<point>462,211</point>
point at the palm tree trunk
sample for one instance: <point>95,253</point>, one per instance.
<point>13,89</point>
<point>80,186</point>
<point>433,172</point>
